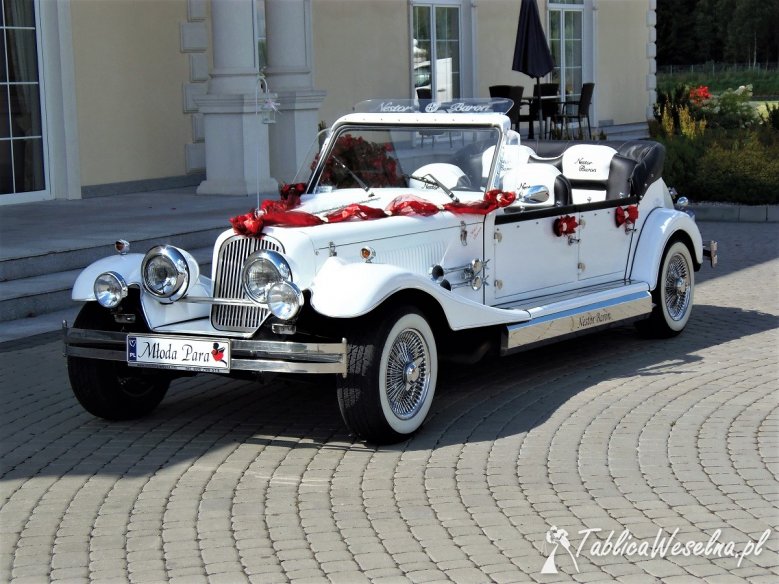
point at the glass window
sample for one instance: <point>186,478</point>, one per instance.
<point>260,34</point>
<point>21,123</point>
<point>436,52</point>
<point>565,41</point>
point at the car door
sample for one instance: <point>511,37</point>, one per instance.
<point>599,180</point>
<point>529,259</point>
<point>603,245</point>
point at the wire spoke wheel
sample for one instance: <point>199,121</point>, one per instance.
<point>673,294</point>
<point>677,287</point>
<point>408,378</point>
<point>392,374</point>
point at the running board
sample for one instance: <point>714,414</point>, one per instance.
<point>555,326</point>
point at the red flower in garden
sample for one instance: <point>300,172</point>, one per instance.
<point>699,94</point>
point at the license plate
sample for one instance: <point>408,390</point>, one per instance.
<point>184,353</point>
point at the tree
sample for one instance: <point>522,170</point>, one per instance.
<point>675,23</point>
<point>752,31</point>
<point>696,31</point>
<point>711,23</point>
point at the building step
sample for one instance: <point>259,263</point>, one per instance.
<point>33,296</point>
<point>636,131</point>
<point>17,268</point>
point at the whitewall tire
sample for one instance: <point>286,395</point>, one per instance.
<point>392,376</point>
<point>674,293</point>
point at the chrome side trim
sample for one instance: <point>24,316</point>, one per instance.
<point>247,355</point>
<point>553,327</point>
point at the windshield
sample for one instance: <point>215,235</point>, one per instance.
<point>460,158</point>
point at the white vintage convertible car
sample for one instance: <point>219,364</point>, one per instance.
<point>417,233</point>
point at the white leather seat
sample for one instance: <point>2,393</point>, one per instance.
<point>523,176</point>
<point>513,155</point>
<point>448,175</point>
<point>587,167</point>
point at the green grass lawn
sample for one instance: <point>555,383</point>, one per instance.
<point>762,106</point>
<point>764,82</point>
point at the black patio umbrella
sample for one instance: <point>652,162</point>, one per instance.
<point>531,51</point>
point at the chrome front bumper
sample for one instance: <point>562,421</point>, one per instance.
<point>247,354</point>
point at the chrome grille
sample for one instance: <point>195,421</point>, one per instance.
<point>227,284</point>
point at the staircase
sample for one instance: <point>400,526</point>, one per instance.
<point>622,132</point>
<point>40,262</point>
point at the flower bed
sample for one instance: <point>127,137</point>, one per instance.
<point>718,147</point>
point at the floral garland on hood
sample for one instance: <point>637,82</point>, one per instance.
<point>283,213</point>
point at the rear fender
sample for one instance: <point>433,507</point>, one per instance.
<point>659,228</point>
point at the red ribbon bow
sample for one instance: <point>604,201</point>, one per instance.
<point>626,215</point>
<point>565,225</point>
<point>274,213</point>
<point>283,212</point>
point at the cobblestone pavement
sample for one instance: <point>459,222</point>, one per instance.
<point>230,481</point>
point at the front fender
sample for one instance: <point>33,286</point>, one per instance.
<point>128,266</point>
<point>157,314</point>
<point>349,290</point>
<point>658,229</point>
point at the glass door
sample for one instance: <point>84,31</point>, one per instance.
<point>566,43</point>
<point>22,131</point>
<point>436,51</point>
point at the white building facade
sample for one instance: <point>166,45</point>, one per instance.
<point>122,96</point>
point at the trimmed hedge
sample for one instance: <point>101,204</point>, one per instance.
<point>728,166</point>
<point>747,174</point>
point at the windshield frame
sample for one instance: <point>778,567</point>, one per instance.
<point>363,123</point>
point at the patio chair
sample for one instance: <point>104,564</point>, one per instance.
<point>582,110</point>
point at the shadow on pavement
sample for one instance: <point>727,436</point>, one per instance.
<point>213,416</point>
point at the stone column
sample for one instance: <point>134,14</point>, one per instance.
<point>651,54</point>
<point>236,139</point>
<point>291,77</point>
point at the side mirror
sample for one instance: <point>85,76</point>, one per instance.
<point>536,194</point>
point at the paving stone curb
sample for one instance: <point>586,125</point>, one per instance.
<point>736,213</point>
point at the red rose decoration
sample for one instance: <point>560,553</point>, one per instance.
<point>626,215</point>
<point>565,225</point>
<point>291,193</point>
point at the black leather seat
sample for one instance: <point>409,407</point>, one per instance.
<point>647,158</point>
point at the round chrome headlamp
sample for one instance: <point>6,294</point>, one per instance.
<point>110,289</point>
<point>284,299</point>
<point>166,273</point>
<point>261,270</point>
